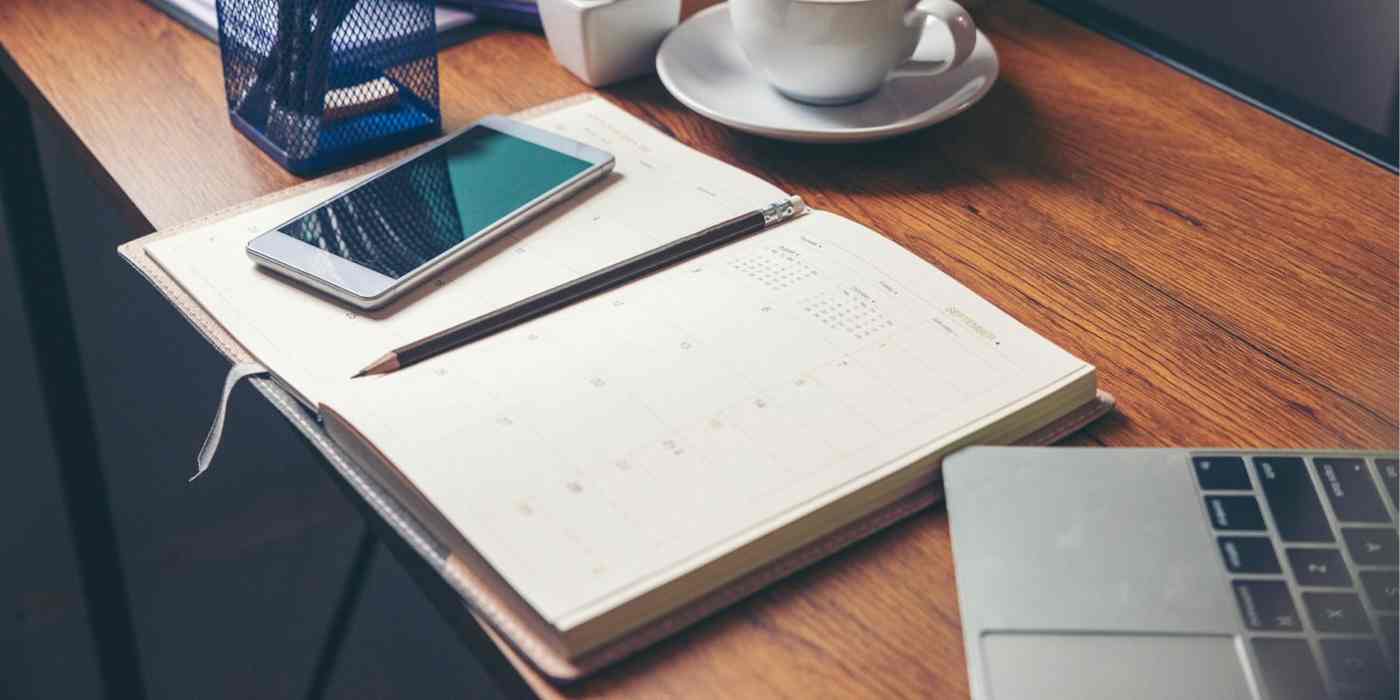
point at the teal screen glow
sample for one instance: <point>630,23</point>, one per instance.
<point>402,219</point>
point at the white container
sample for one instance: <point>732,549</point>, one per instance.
<point>605,41</point>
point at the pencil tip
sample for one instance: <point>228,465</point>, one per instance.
<point>383,365</point>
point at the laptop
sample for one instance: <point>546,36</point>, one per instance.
<point>1176,573</point>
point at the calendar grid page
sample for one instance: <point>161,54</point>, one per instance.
<point>601,451</point>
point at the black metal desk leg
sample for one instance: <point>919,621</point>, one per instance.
<point>39,271</point>
<point>344,614</point>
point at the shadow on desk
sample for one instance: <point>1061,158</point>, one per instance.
<point>999,134</point>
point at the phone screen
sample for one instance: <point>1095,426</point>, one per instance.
<point>400,220</point>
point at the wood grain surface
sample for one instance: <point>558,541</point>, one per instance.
<point>1233,278</point>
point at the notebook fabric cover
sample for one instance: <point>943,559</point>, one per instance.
<point>500,623</point>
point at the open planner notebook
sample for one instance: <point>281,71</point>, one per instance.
<point>605,474</point>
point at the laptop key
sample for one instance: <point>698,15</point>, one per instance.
<point>1357,664</point>
<point>1372,546</point>
<point>1249,555</point>
<point>1235,513</point>
<point>1382,588</point>
<point>1339,613</point>
<point>1221,473</point>
<point>1348,485</point>
<point>1289,669</point>
<point>1266,605</point>
<point>1390,476</point>
<point>1318,567</point>
<point>1292,499</point>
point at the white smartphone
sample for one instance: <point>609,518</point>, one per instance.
<point>383,237</point>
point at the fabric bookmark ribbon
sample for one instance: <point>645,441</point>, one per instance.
<point>236,374</point>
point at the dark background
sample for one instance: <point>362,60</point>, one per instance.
<point>233,581</point>
<point>1328,66</point>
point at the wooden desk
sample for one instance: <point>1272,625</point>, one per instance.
<point>1233,278</point>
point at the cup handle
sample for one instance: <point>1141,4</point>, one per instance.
<point>960,26</point>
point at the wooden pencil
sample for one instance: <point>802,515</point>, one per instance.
<point>568,293</point>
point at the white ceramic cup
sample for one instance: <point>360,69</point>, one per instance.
<point>831,52</point>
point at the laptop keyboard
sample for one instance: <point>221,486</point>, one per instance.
<point>1310,545</point>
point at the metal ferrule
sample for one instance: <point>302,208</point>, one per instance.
<point>783,210</point>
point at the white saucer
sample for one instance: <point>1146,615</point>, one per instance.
<point>703,67</point>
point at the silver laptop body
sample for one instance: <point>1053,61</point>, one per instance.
<point>1175,573</point>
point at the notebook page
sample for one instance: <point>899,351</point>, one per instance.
<point>660,190</point>
<point>595,453</point>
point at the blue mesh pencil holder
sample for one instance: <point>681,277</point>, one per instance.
<point>319,84</point>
